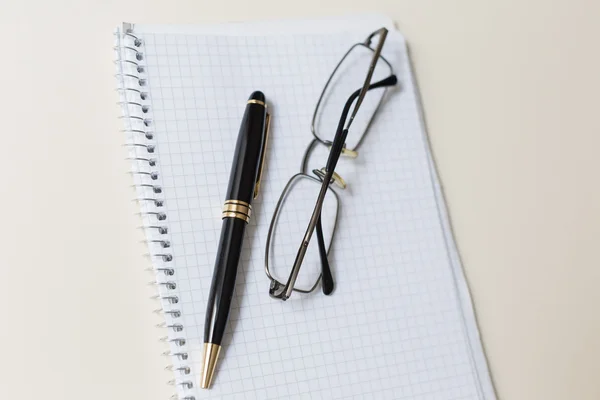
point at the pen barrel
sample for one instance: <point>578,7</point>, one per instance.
<point>237,211</point>
<point>223,282</point>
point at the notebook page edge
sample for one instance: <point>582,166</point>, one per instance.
<point>464,294</point>
<point>323,25</point>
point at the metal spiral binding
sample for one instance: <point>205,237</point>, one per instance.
<point>140,142</point>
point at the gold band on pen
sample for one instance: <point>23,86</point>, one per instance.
<point>237,209</point>
<point>240,202</point>
<point>262,103</point>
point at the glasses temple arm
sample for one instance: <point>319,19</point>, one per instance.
<point>363,91</point>
<point>326,276</point>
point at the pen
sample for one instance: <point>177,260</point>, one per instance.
<point>244,183</point>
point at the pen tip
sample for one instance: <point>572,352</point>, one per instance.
<point>211,355</point>
<point>258,95</point>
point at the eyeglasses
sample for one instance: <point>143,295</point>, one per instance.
<point>293,210</point>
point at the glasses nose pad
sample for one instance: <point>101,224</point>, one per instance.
<point>346,152</point>
<point>335,178</point>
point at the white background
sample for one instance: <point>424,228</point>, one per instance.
<point>510,92</point>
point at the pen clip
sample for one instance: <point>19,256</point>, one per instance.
<point>261,166</point>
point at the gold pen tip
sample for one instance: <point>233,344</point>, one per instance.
<point>209,362</point>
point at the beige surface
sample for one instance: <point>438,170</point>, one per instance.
<point>511,94</point>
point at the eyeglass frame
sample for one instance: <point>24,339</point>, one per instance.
<point>327,175</point>
<point>353,151</point>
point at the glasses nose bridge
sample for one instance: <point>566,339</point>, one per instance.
<point>316,143</point>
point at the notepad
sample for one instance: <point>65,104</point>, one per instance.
<point>400,324</point>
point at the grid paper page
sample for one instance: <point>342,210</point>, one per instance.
<point>400,324</point>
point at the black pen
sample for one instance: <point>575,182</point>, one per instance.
<point>244,182</point>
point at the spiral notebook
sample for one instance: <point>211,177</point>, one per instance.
<point>400,324</point>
